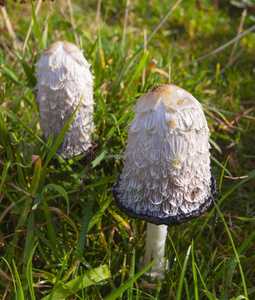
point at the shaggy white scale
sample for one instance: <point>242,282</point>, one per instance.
<point>167,160</point>
<point>63,78</point>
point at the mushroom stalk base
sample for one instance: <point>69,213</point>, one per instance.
<point>155,249</point>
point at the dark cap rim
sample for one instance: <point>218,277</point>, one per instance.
<point>206,206</point>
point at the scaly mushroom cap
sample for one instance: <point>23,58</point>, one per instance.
<point>166,177</point>
<point>63,78</point>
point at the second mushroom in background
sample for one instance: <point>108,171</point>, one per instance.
<point>166,179</point>
<point>63,78</point>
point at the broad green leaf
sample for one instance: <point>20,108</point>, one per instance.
<point>240,298</point>
<point>89,278</point>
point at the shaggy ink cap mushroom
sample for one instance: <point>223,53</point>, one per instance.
<point>63,78</point>
<point>166,177</point>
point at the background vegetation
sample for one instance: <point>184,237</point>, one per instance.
<point>62,235</point>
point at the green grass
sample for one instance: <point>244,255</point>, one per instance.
<point>62,235</point>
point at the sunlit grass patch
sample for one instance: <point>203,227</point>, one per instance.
<point>60,228</point>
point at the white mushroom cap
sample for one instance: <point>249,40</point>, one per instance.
<point>166,177</point>
<point>64,77</point>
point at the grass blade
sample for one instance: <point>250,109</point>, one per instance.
<point>28,250</point>
<point>222,173</point>
<point>36,28</point>
<point>180,284</point>
<point>45,33</point>
<point>139,69</point>
<point>246,245</point>
<point>98,62</point>
<point>129,283</point>
<point>252,220</point>
<point>85,226</point>
<point>30,275</point>
<point>56,284</point>
<point>24,126</point>
<point>13,278</point>
<point>4,174</point>
<point>19,293</point>
<point>22,219</point>
<point>131,275</point>
<point>207,293</point>
<point>110,133</point>
<point>230,191</point>
<point>156,28</point>
<point>11,75</point>
<point>50,228</point>
<point>97,160</point>
<point>234,248</point>
<point>28,70</point>
<point>36,176</point>
<point>194,271</point>
<point>62,192</point>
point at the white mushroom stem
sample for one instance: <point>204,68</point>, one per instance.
<point>155,248</point>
